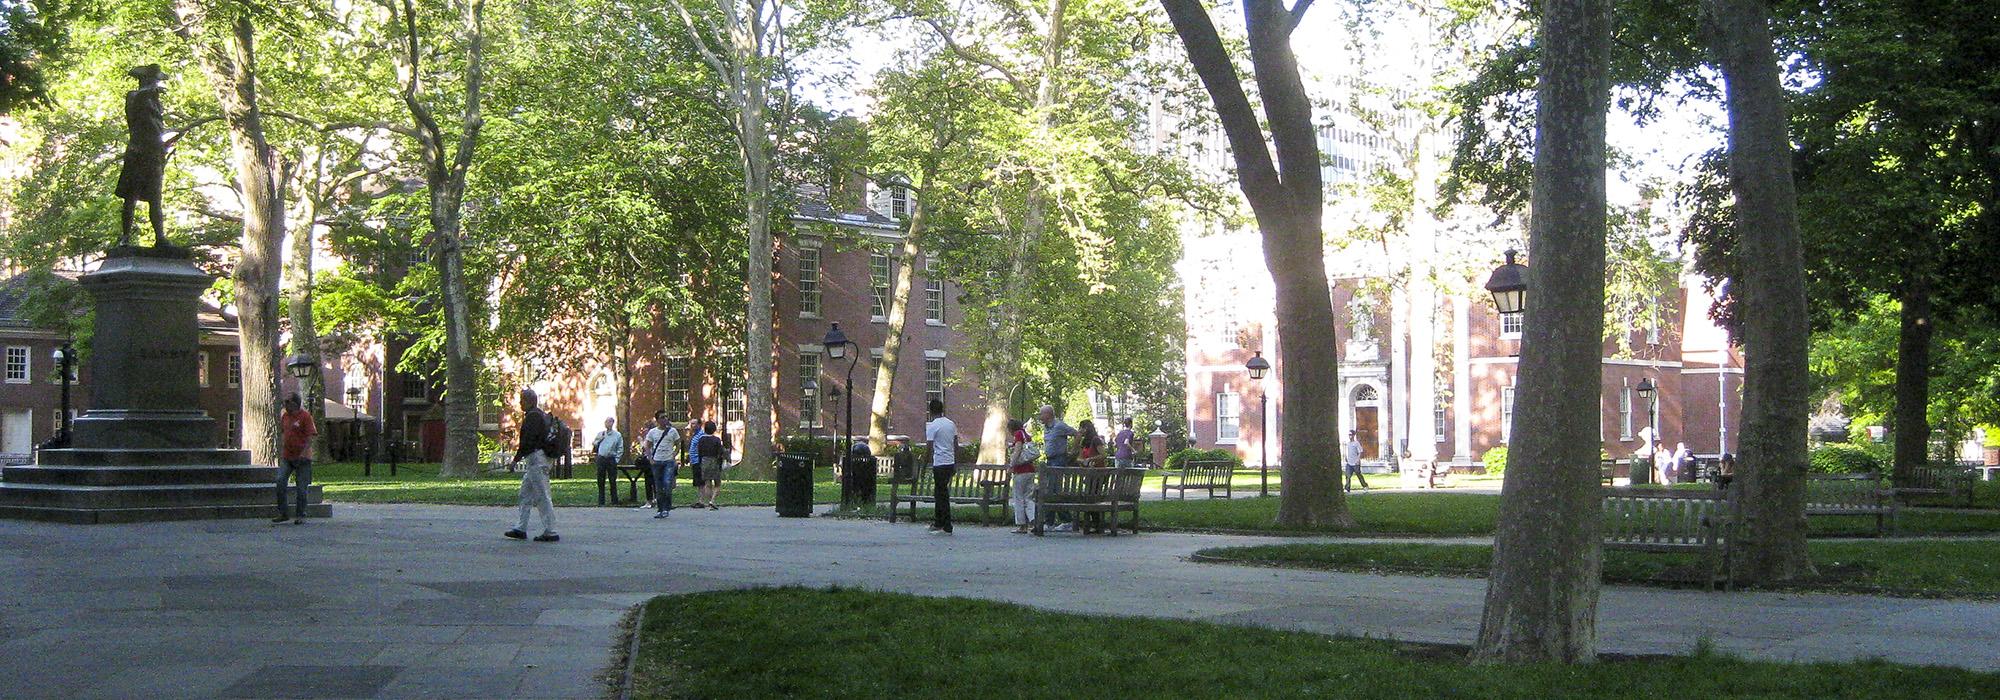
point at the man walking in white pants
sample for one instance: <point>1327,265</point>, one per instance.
<point>534,458</point>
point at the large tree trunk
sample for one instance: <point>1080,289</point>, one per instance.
<point>230,63</point>
<point>305,337</point>
<point>461,360</point>
<point>1911,421</point>
<point>1287,199</point>
<point>1541,598</point>
<point>1776,382</point>
<point>902,273</point>
<point>757,426</point>
<point>1001,364</point>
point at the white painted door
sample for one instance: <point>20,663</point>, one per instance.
<point>17,432</point>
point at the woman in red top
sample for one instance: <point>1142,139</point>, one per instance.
<point>1092,443</point>
<point>1021,462</point>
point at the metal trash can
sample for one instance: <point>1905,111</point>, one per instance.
<point>794,485</point>
<point>857,484</point>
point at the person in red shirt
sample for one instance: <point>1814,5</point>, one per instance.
<point>297,455</point>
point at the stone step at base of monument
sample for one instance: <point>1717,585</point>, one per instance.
<point>77,475</point>
<point>105,516</point>
<point>140,458</point>
<point>151,496</point>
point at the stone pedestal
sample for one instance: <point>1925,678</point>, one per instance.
<point>143,388</point>
<point>143,451</point>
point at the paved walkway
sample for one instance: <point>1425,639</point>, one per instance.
<point>430,601</point>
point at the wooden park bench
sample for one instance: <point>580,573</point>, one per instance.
<point>1208,475</point>
<point>983,485</point>
<point>1851,494</point>
<point>1948,480</point>
<point>1672,521</point>
<point>1089,490</point>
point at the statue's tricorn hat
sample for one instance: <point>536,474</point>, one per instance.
<point>150,71</point>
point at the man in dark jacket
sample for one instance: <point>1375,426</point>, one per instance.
<point>534,461</point>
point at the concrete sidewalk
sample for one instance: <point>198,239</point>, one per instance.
<point>430,601</point>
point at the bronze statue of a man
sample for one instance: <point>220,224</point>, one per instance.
<point>145,153</point>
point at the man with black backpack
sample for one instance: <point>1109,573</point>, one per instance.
<point>539,442</point>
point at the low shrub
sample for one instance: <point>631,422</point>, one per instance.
<point>1495,461</point>
<point>1845,458</point>
<point>1175,460</point>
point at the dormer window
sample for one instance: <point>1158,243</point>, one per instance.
<point>900,204</point>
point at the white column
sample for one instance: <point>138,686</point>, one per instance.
<point>1394,407</point>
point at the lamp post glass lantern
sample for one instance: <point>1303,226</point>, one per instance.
<point>301,366</point>
<point>1258,367</point>
<point>1509,285</point>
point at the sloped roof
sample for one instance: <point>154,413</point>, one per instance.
<point>808,206</point>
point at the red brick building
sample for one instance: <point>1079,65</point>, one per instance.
<point>31,385</point>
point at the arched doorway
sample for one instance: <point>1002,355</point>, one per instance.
<point>1368,421</point>
<point>599,403</point>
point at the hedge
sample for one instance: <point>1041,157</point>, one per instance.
<point>1175,460</point>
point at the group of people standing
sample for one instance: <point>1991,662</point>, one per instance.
<point>1061,446</point>
<point>659,452</point>
<point>662,458</point>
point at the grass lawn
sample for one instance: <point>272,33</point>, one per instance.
<point>798,643</point>
<point>344,482</point>
<point>1940,568</point>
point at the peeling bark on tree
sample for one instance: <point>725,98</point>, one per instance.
<point>903,270</point>
<point>1541,597</point>
<point>230,63</point>
<point>1287,200</point>
<point>1772,296</point>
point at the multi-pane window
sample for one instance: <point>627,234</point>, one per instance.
<point>878,287</point>
<point>1625,413</point>
<point>489,413</point>
<point>933,292</point>
<point>232,427</point>
<point>17,364</point>
<point>1506,413</point>
<point>737,406</point>
<point>677,389</point>
<point>234,376</point>
<point>414,387</point>
<point>1231,330</point>
<point>808,377</point>
<point>1437,423</point>
<point>1510,325</point>
<point>900,204</point>
<point>809,281</point>
<point>933,379</point>
<point>1228,417</point>
<point>201,366</point>
<point>417,256</point>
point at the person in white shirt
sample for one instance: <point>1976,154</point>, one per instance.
<point>1351,460</point>
<point>609,447</point>
<point>941,435</point>
<point>662,448</point>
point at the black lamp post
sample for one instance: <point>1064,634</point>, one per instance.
<point>1258,366</point>
<point>812,418</point>
<point>1646,392</point>
<point>837,346</point>
<point>301,367</point>
<point>354,398</point>
<point>1509,285</point>
<point>65,358</point>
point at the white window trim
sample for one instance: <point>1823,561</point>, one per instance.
<point>930,278</point>
<point>934,354</point>
<point>1506,415</point>
<point>201,366</point>
<point>819,272</point>
<point>27,363</point>
<point>1238,400</point>
<point>233,379</point>
<point>1625,408</point>
<point>1512,335</point>
<point>888,286</point>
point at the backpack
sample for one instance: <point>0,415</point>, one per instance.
<point>557,440</point>
<point>710,446</point>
